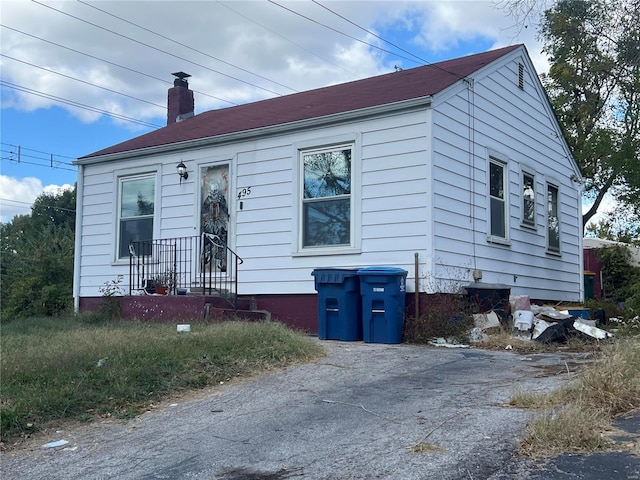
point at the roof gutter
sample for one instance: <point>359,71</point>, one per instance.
<point>252,134</point>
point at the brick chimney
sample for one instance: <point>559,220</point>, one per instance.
<point>180,104</point>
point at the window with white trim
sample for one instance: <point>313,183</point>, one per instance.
<point>553,219</point>
<point>498,225</point>
<point>528,199</point>
<point>326,196</point>
<point>136,205</point>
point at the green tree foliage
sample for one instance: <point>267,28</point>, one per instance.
<point>594,86</point>
<point>619,225</point>
<point>621,280</point>
<point>36,258</point>
<point>619,276</point>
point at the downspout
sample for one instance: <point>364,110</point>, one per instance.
<point>582,294</point>
<point>77,251</point>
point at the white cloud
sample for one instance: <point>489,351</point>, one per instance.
<point>18,194</point>
<point>607,207</point>
<point>258,37</point>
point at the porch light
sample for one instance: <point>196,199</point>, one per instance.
<point>182,171</point>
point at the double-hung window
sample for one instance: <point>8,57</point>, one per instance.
<point>326,196</point>
<point>136,205</point>
<point>528,199</point>
<point>553,219</point>
<point>498,224</point>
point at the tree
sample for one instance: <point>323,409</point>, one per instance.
<point>618,225</point>
<point>594,86</point>
<point>36,263</point>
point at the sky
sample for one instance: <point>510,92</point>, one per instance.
<point>79,76</point>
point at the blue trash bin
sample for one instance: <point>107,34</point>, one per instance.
<point>339,314</point>
<point>383,292</point>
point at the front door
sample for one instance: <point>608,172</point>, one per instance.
<point>214,216</point>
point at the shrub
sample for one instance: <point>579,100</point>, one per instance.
<point>446,315</point>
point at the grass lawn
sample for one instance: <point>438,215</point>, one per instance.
<point>57,368</point>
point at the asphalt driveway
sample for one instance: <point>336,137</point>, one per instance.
<point>363,411</point>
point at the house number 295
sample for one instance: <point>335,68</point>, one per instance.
<point>244,192</point>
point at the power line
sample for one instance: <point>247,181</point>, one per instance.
<point>17,157</point>
<point>37,151</point>
<point>16,154</point>
<point>367,43</point>
<point>108,62</point>
<point>369,32</point>
<point>187,46</point>
<point>341,33</point>
<point>38,164</point>
<point>31,205</point>
<point>288,40</point>
<point>83,81</point>
<point>157,49</point>
<point>77,104</point>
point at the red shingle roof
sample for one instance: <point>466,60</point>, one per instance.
<point>369,92</point>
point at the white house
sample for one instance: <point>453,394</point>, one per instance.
<point>461,162</point>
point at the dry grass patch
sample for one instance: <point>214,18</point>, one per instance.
<point>423,447</point>
<point>502,339</point>
<point>55,369</point>
<point>570,428</point>
<point>578,415</point>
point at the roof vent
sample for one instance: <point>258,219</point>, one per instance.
<point>521,76</point>
<point>181,81</point>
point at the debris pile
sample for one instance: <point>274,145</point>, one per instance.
<point>553,325</point>
<point>544,324</point>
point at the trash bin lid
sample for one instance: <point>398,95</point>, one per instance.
<point>333,275</point>
<point>382,271</point>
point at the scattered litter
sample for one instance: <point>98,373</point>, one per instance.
<point>539,327</point>
<point>591,323</point>
<point>558,332</point>
<point>594,332</point>
<point>570,327</point>
<point>548,313</point>
<point>477,335</point>
<point>584,313</point>
<point>519,302</point>
<point>57,443</point>
<point>184,328</point>
<point>441,342</point>
<point>486,320</point>
<point>523,320</point>
<point>101,362</point>
<point>508,347</point>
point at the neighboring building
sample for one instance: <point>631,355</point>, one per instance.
<point>593,267</point>
<point>461,162</point>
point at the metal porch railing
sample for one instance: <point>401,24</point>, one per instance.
<point>195,265</point>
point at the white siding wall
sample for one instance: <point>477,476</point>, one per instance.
<point>419,186</point>
<point>390,184</point>
<point>514,125</point>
